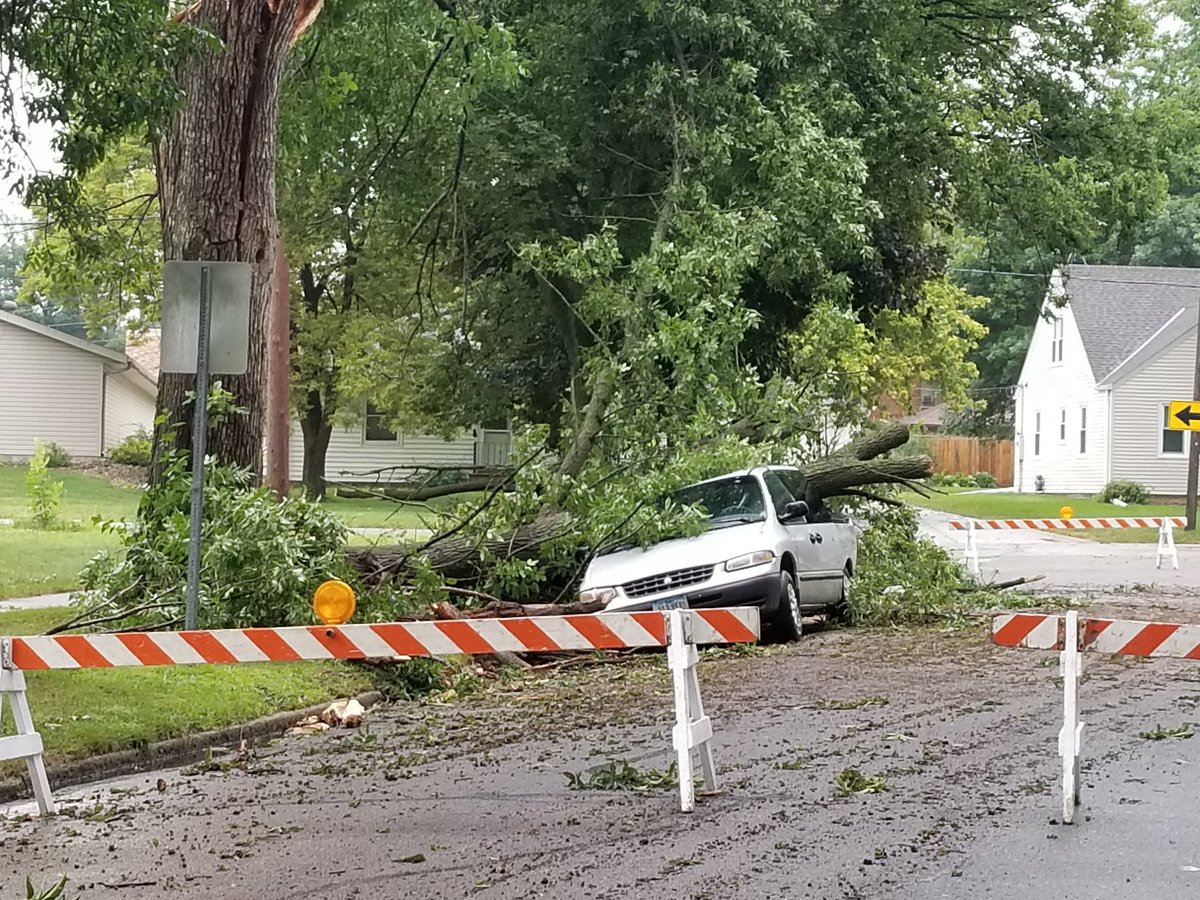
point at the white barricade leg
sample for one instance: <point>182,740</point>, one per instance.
<point>971,551</point>
<point>1070,738</point>
<point>693,729</point>
<point>26,744</point>
<point>1166,544</point>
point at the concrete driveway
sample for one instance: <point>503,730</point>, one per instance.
<point>1068,563</point>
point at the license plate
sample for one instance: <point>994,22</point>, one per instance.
<point>670,603</point>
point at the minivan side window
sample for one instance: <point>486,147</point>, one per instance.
<point>780,495</point>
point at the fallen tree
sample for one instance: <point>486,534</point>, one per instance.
<point>460,559</point>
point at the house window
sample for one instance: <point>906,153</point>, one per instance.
<point>929,397</point>
<point>1171,442</point>
<point>375,427</point>
<point>1056,341</point>
<point>1062,426</point>
<point>1037,434</point>
<point>1083,429</point>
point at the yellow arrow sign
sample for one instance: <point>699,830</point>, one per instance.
<point>1184,415</point>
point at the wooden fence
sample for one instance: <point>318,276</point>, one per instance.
<point>968,455</point>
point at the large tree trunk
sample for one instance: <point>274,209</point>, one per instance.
<point>853,466</point>
<point>453,557</point>
<point>315,430</point>
<point>216,181</point>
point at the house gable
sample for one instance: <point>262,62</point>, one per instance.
<point>1061,418</point>
<point>52,392</point>
<point>1118,309</point>
<point>1142,449</point>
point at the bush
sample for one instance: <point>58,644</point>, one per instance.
<point>902,578</point>
<point>56,456</point>
<point>45,492</point>
<point>261,557</point>
<point>978,480</point>
<point>1129,491</point>
<point>135,450</point>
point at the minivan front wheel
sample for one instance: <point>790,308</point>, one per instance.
<point>787,622</point>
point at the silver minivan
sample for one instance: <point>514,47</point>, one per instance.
<point>763,547</point>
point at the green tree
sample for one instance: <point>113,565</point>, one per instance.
<point>202,83</point>
<point>112,274</point>
<point>372,147</point>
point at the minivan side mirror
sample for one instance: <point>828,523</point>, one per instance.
<point>797,509</point>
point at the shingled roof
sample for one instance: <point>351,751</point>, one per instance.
<point>1119,308</point>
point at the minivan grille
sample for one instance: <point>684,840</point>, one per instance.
<point>656,584</point>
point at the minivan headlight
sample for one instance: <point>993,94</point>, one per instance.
<point>757,558</point>
<point>603,595</point>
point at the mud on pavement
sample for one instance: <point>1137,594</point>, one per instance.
<point>471,799</point>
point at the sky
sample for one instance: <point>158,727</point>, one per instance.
<point>42,158</point>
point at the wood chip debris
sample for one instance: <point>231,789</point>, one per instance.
<point>344,713</point>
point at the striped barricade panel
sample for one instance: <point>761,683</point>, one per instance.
<point>1064,524</point>
<point>1115,636</point>
<point>542,634</point>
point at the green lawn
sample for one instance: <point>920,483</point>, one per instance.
<point>45,562</point>
<point>1132,536</point>
<point>34,561</point>
<point>1031,506</point>
<point>91,711</point>
<point>369,512</point>
<point>83,496</point>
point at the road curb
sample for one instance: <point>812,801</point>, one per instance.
<point>166,754</point>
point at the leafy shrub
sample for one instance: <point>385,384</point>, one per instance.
<point>261,557</point>
<point>135,450</point>
<point>901,577</point>
<point>44,491</point>
<point>1129,491</point>
<point>56,456</point>
<point>960,480</point>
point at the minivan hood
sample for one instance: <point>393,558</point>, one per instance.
<point>710,548</point>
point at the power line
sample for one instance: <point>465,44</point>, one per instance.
<point>1091,278</point>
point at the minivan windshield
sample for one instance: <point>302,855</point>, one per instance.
<point>728,501</point>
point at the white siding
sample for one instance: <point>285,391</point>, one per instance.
<point>127,408</point>
<point>1137,419</point>
<point>48,390</point>
<point>1048,387</point>
<point>350,456</point>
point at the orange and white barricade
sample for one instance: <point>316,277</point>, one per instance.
<point>1071,635</point>
<point>1166,526</point>
<point>680,631</point>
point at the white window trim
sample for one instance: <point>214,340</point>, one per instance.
<point>1062,425</point>
<point>1037,434</point>
<point>1187,437</point>
<point>1057,329</point>
<point>397,441</point>
<point>1083,430</point>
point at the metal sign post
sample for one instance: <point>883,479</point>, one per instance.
<point>220,341</point>
<point>199,433</point>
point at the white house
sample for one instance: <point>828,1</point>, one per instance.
<point>369,451</point>
<point>56,387</point>
<point>1091,403</point>
<point>358,451</point>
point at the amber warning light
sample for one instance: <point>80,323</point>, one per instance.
<point>333,602</point>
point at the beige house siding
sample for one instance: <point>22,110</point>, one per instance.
<point>1137,419</point>
<point>49,391</point>
<point>350,455</point>
<point>127,408</point>
<point>1051,387</point>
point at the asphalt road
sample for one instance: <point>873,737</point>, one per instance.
<point>470,800</point>
<point>1068,563</point>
